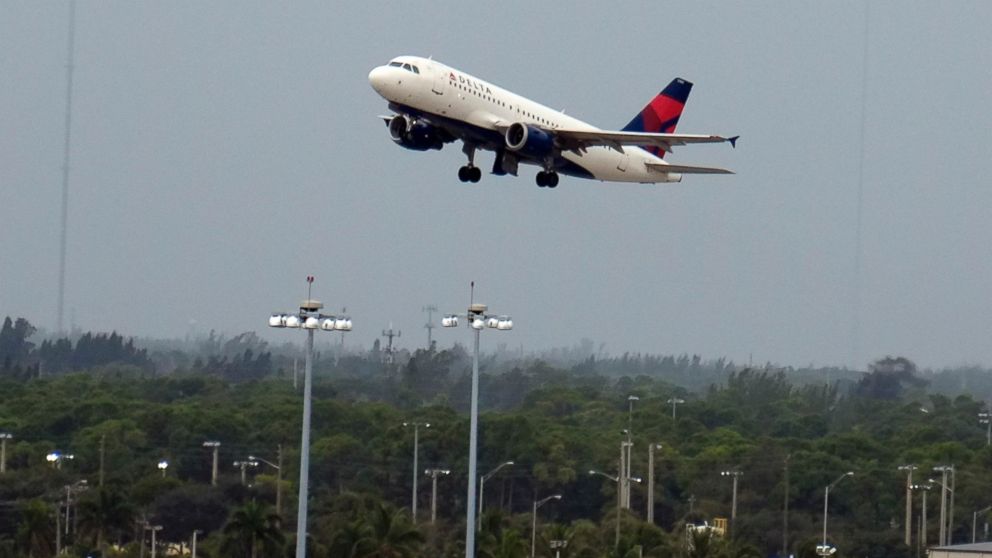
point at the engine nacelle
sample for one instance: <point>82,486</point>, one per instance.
<point>414,135</point>
<point>529,140</point>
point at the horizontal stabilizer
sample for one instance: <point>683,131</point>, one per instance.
<point>686,169</point>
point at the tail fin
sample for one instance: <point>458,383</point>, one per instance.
<point>662,114</point>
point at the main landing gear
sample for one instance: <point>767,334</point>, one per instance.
<point>470,173</point>
<point>547,178</point>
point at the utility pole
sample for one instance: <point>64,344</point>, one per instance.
<point>389,334</point>
<point>909,502</point>
<point>735,474</point>
<point>785,510</point>
<point>416,468</point>
<point>103,440</point>
<point>650,514</point>
<point>65,160</point>
<point>195,533</point>
<point>950,509</point>
<point>942,536</point>
<point>216,447</point>
<point>430,309</point>
<point>278,486</point>
<point>4,436</point>
<point>434,473</point>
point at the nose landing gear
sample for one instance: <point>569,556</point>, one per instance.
<point>469,173</point>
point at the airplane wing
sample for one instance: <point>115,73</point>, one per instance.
<point>686,169</point>
<point>578,140</point>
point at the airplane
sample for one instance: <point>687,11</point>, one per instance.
<point>435,104</point>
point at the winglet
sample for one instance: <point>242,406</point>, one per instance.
<point>733,141</point>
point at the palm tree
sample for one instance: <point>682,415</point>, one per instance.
<point>103,512</point>
<point>392,534</point>
<point>252,526</point>
<point>352,541</point>
<point>510,545</point>
<point>36,533</point>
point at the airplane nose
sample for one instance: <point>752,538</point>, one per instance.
<point>377,78</point>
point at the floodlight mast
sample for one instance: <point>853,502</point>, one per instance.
<point>310,319</point>
<point>477,320</point>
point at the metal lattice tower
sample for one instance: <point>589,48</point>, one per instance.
<point>389,334</point>
<point>429,326</point>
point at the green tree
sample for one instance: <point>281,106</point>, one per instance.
<point>36,534</point>
<point>392,534</point>
<point>104,512</point>
<point>251,528</point>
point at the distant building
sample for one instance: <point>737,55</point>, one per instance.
<point>976,550</point>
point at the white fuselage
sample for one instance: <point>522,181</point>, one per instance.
<point>452,94</point>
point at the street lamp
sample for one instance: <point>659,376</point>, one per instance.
<point>162,466</point>
<point>533,520</point>
<point>482,488</point>
<point>243,465</point>
<point>651,448</point>
<point>984,418</point>
<point>56,458</point>
<point>974,521</point>
<point>4,436</point>
<point>625,449</point>
<point>673,402</point>
<point>278,469</point>
<point>616,479</point>
<point>215,446</point>
<point>154,529</point>
<point>433,474</point>
<point>735,474</point>
<point>943,536</point>
<point>416,451</point>
<point>909,502</point>
<point>477,319</point>
<point>557,545</point>
<point>923,519</point>
<point>310,319</point>
<point>193,549</point>
<point>825,550</point>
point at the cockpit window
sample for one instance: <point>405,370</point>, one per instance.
<point>416,70</point>
<point>407,67</point>
<point>396,64</point>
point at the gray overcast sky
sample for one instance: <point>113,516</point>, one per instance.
<point>222,151</point>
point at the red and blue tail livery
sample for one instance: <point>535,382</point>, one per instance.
<point>661,115</point>
<point>433,105</point>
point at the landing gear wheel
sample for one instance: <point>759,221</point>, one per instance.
<point>475,174</point>
<point>552,179</point>
<point>541,179</point>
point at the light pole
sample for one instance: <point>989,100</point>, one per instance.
<point>433,474</point>
<point>942,538</point>
<point>735,474</point>
<point>482,488</point>
<point>673,402</point>
<point>56,458</point>
<point>557,545</point>
<point>974,521</point>
<point>243,465</point>
<point>278,469</point>
<point>923,519</point>
<point>416,468</point>
<point>533,520</point>
<point>825,550</point>
<point>650,511</point>
<point>154,529</point>
<point>193,549</point>
<point>310,319</point>
<point>909,502</point>
<point>162,466</point>
<point>215,446</point>
<point>983,418</point>
<point>478,320</point>
<point>4,436</point>
<point>616,479</point>
<point>625,446</point>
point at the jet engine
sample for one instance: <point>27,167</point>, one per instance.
<point>529,140</point>
<point>414,135</point>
